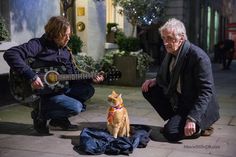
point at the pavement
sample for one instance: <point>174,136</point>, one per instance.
<point>17,137</point>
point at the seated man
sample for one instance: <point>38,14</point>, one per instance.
<point>52,49</point>
<point>183,90</point>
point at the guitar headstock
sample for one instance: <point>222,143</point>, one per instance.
<point>113,74</point>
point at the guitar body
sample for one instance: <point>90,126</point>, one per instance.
<point>21,88</point>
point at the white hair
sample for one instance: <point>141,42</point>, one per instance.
<point>176,26</point>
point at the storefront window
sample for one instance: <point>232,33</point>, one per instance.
<point>112,15</point>
<point>208,27</point>
<point>217,22</point>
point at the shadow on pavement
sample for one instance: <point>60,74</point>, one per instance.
<point>12,128</point>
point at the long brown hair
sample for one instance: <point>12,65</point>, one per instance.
<point>56,27</point>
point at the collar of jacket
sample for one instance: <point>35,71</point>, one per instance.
<point>51,43</point>
<point>170,87</point>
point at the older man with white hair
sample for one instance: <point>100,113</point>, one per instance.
<point>183,91</point>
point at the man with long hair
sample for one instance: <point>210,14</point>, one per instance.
<point>51,50</point>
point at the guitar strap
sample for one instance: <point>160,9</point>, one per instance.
<point>73,59</point>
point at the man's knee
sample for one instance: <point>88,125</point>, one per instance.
<point>91,91</point>
<point>150,96</point>
<point>81,92</point>
<point>146,95</point>
<point>173,130</point>
<point>76,108</point>
<point>172,134</point>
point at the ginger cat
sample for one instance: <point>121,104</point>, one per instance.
<point>117,119</point>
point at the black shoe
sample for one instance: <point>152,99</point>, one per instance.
<point>40,125</point>
<point>62,124</point>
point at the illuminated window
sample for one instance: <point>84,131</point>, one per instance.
<point>216,27</point>
<point>112,15</point>
<point>208,27</point>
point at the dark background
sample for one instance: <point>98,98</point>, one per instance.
<point>5,95</point>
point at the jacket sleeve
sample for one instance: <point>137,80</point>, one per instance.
<point>204,83</point>
<point>16,57</point>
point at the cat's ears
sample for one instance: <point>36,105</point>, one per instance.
<point>116,95</point>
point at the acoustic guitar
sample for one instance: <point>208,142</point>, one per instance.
<point>54,79</point>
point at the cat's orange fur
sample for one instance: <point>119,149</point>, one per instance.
<point>117,119</point>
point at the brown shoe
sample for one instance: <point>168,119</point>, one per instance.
<point>208,131</point>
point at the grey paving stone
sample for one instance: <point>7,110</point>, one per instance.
<point>233,121</point>
<point>17,137</point>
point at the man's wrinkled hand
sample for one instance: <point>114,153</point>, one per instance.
<point>190,128</point>
<point>147,84</point>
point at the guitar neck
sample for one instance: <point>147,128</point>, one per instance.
<point>65,77</point>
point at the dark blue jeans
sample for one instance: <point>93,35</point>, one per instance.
<point>66,104</point>
<point>174,128</point>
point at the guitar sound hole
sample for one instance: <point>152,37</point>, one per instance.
<point>52,77</point>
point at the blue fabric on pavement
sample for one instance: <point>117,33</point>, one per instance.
<point>96,141</point>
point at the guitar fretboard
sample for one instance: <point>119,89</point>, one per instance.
<point>64,77</point>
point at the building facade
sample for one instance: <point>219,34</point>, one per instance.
<point>205,21</point>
